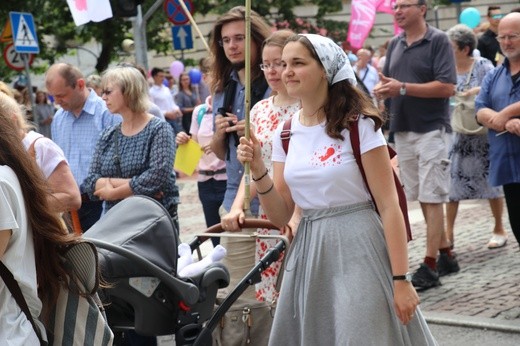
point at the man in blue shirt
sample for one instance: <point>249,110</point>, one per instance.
<point>228,72</point>
<point>498,108</point>
<point>76,127</point>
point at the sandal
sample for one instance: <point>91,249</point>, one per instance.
<point>497,241</point>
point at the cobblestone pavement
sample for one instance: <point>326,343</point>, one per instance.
<point>485,292</point>
<point>488,283</point>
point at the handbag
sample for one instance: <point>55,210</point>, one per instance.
<point>78,316</point>
<point>285,136</point>
<point>247,322</point>
<point>463,116</point>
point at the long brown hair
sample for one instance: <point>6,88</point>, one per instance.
<point>49,235</point>
<point>221,68</point>
<point>345,102</point>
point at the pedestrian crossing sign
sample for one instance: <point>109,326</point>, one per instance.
<point>24,33</point>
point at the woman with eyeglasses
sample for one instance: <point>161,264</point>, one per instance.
<point>265,117</point>
<point>470,151</point>
<point>135,157</point>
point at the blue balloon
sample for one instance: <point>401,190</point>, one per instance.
<point>195,76</point>
<point>470,17</point>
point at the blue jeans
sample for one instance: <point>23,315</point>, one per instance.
<point>176,125</point>
<point>211,195</point>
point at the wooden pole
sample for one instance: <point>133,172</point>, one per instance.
<point>194,24</point>
<point>247,170</point>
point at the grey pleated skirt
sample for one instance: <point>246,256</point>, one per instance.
<point>337,287</point>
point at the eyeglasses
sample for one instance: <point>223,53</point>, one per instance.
<point>106,92</point>
<point>404,6</point>
<point>226,41</point>
<point>497,16</point>
<point>512,38</point>
<point>274,66</point>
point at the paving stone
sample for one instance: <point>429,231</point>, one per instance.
<point>487,285</point>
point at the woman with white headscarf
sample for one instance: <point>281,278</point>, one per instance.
<point>346,278</point>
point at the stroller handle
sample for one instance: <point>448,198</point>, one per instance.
<point>248,223</point>
<point>187,291</point>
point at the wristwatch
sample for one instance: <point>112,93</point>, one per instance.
<point>405,277</point>
<point>402,91</point>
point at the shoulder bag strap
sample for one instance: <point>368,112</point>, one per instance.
<point>117,158</point>
<point>229,97</point>
<point>13,286</point>
<point>285,135</point>
<point>258,89</point>
<point>202,111</point>
<point>469,74</point>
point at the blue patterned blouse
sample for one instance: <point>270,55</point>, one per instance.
<point>147,158</point>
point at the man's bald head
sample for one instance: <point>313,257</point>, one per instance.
<point>509,37</point>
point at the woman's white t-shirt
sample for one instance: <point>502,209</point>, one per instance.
<point>48,154</point>
<point>19,258</point>
<point>321,172</point>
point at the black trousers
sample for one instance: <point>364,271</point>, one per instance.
<point>89,213</point>
<point>512,196</point>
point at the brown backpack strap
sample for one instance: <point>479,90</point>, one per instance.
<point>354,141</point>
<point>285,135</point>
<point>32,150</point>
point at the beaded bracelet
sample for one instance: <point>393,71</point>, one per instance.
<point>266,192</point>
<point>262,177</point>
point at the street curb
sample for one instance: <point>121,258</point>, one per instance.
<point>471,322</point>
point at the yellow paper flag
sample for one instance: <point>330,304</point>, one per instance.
<point>187,157</point>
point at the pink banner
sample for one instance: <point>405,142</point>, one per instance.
<point>363,17</point>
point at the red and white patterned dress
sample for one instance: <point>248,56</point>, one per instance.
<point>266,116</point>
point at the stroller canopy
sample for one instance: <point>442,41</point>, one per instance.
<point>143,226</point>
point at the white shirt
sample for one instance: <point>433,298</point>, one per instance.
<point>162,97</point>
<point>15,328</point>
<point>368,76</point>
<point>321,172</point>
<point>48,154</point>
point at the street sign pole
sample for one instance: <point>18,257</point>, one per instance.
<point>139,28</point>
<point>25,58</point>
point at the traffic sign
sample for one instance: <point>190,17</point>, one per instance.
<point>24,32</point>
<point>13,59</point>
<point>182,38</point>
<point>7,33</point>
<point>175,12</point>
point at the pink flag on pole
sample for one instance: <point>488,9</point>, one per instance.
<point>361,21</point>
<point>84,11</point>
<point>363,17</point>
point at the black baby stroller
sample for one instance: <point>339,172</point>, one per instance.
<point>137,243</point>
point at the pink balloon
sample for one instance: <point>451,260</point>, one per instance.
<point>176,68</point>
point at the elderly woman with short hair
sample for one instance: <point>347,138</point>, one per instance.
<point>469,153</point>
<point>135,157</point>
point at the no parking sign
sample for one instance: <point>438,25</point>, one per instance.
<point>175,12</point>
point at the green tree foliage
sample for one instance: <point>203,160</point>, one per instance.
<point>57,33</point>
